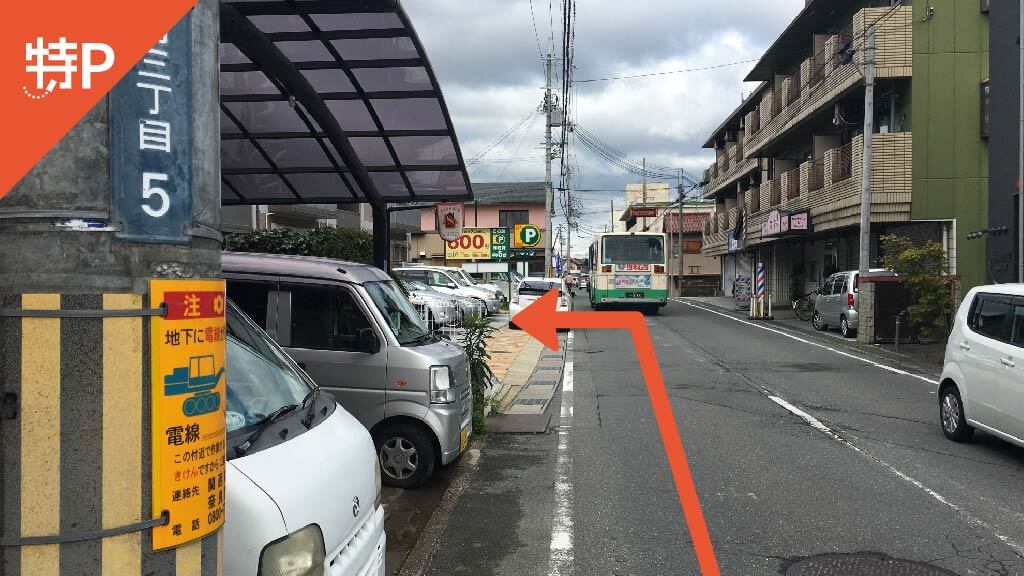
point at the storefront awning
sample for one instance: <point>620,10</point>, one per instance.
<point>326,101</point>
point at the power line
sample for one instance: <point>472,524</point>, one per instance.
<point>667,72</point>
<point>535,34</point>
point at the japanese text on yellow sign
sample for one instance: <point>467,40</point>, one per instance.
<point>474,244</point>
<point>188,422</point>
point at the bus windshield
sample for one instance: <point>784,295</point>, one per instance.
<point>633,250</point>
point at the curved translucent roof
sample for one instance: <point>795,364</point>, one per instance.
<point>326,101</point>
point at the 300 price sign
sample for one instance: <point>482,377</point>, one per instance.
<point>479,244</point>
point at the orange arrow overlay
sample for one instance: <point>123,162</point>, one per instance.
<point>541,321</point>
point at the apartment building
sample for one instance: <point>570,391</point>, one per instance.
<point>789,160</point>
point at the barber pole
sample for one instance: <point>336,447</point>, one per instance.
<point>760,282</point>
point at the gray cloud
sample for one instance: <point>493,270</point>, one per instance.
<point>486,58</point>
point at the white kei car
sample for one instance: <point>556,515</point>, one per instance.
<point>982,383</point>
<point>530,290</point>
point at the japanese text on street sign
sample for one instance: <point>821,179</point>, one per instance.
<point>188,391</point>
<point>50,61</point>
<point>526,236</point>
<point>479,244</point>
<point>151,142</point>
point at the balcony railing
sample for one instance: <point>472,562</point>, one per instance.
<point>775,197</point>
<point>754,205</point>
<point>792,179</point>
<point>842,163</point>
<point>816,175</point>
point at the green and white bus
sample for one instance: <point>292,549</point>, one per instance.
<point>628,270</point>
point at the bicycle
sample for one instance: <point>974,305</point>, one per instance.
<point>804,306</point>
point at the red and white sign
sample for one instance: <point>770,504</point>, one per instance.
<point>633,267</point>
<point>449,220</point>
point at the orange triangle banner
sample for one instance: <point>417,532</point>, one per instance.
<point>59,58</point>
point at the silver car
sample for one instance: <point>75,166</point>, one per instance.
<point>445,281</point>
<point>352,329</point>
<point>837,302</point>
<point>466,306</point>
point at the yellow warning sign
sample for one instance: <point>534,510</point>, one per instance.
<point>188,422</point>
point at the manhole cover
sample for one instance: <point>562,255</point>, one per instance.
<point>862,565</point>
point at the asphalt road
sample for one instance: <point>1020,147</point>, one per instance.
<point>799,449</point>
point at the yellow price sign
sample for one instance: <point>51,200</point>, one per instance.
<point>188,391</point>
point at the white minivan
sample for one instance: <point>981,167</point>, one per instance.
<point>302,483</point>
<point>982,383</point>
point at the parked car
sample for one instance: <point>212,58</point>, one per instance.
<point>465,306</point>
<point>302,479</point>
<point>837,300</point>
<point>983,377</point>
<point>445,282</point>
<point>435,309</point>
<point>351,328</point>
<point>468,280</point>
<point>530,290</point>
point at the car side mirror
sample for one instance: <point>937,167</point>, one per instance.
<point>367,341</point>
<point>453,286</point>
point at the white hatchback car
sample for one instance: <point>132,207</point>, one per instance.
<point>982,383</point>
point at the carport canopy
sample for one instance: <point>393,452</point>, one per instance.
<point>331,101</point>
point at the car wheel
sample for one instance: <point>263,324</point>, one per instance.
<point>817,322</point>
<point>406,454</point>
<point>951,416</point>
<point>845,330</point>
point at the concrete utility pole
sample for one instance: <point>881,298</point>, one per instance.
<point>643,185</point>
<point>77,433</point>
<point>611,215</point>
<point>679,230</point>
<point>869,128</point>
<point>549,191</point>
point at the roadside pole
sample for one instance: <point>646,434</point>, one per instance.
<point>679,230</point>
<point>80,447</point>
<point>548,191</point>
<point>865,188</point>
<point>1020,150</point>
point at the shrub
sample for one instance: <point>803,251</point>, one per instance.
<point>923,268</point>
<point>474,341</point>
<point>338,243</point>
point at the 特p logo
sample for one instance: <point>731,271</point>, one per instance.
<point>56,65</point>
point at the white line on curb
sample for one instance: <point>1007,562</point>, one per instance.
<point>816,344</point>
<point>561,560</point>
<point>818,425</point>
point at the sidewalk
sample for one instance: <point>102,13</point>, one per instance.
<point>926,358</point>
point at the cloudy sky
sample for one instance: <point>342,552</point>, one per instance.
<point>488,61</point>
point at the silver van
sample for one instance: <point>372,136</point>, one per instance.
<point>353,330</point>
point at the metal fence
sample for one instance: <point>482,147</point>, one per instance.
<point>440,315</point>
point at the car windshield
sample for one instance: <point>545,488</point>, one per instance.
<point>260,377</point>
<point>454,275</point>
<point>465,276</point>
<point>417,286</point>
<point>633,250</point>
<point>402,317</point>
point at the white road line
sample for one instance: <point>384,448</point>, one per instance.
<point>815,344</point>
<point>561,559</point>
<point>818,425</point>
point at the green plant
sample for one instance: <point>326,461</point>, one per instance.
<point>474,341</point>
<point>924,269</point>
<point>338,243</point>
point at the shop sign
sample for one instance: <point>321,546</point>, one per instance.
<point>772,226</point>
<point>448,216</point>
<point>479,244</point>
<point>526,236</point>
<point>187,390</point>
<point>779,223</point>
<point>736,241</point>
<point>643,211</point>
<point>800,222</point>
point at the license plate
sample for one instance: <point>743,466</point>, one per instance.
<point>464,439</point>
<point>634,294</point>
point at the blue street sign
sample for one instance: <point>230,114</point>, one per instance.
<point>151,143</point>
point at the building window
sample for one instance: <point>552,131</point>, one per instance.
<point>986,101</point>
<point>399,252</point>
<point>509,218</point>
<point>694,269</point>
